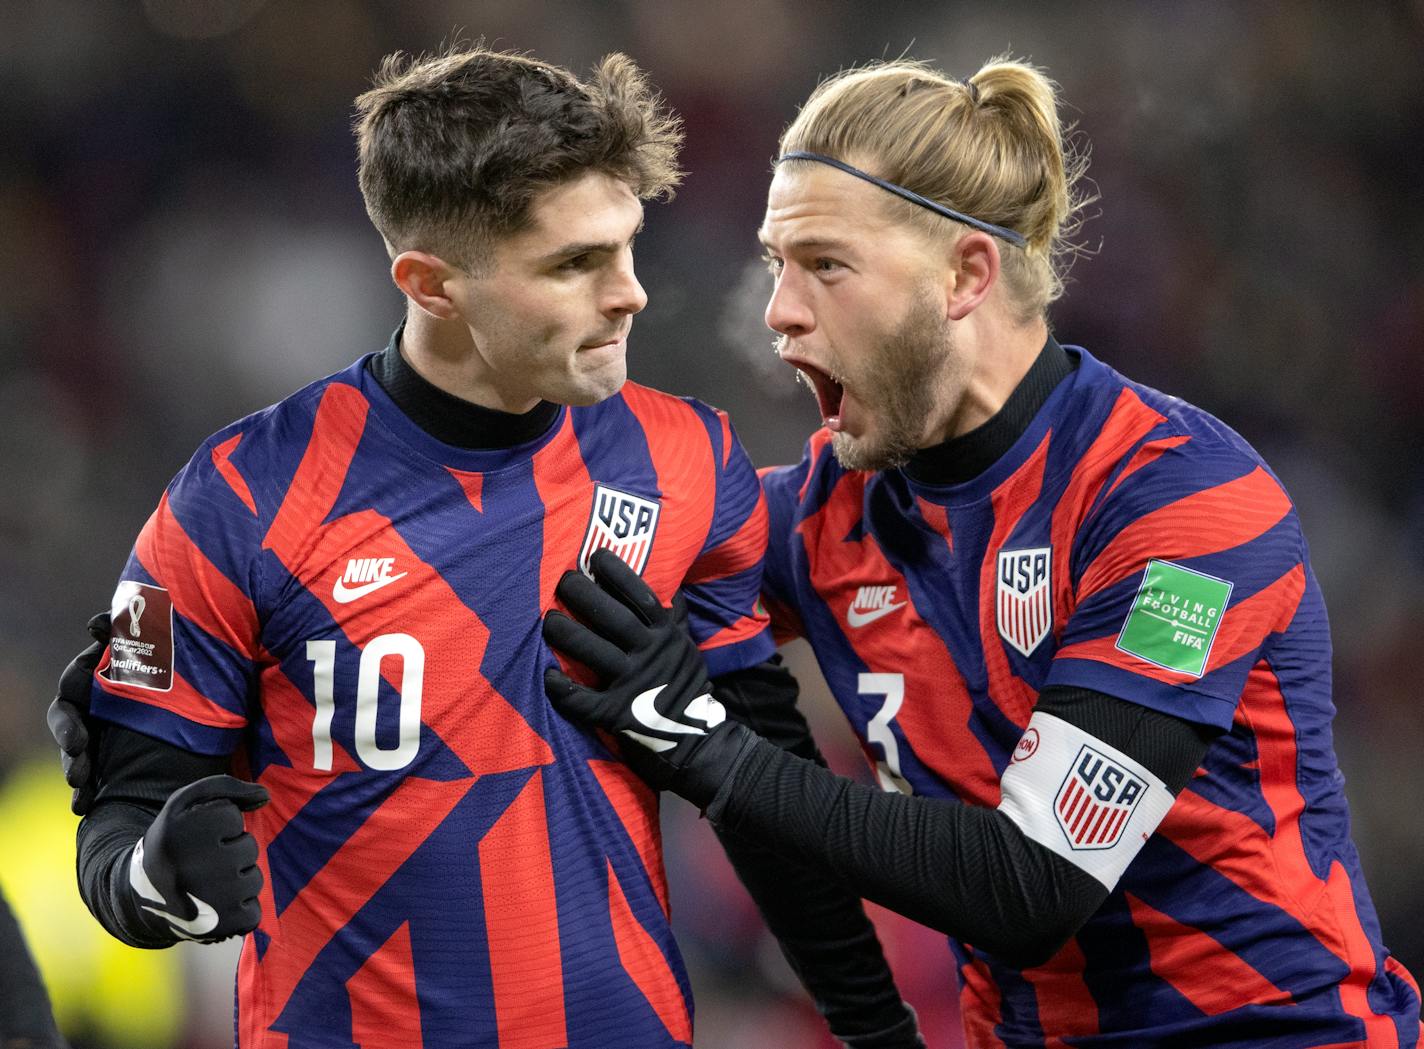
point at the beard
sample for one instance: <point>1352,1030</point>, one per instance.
<point>901,387</point>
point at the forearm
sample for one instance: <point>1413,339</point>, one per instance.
<point>963,870</point>
<point>104,845</point>
<point>819,923</point>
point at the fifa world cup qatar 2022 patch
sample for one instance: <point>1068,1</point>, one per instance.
<point>1174,617</point>
<point>141,637</point>
<point>1081,798</point>
<point>620,522</point>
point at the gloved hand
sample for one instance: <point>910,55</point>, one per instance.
<point>194,874</point>
<point>78,738</point>
<point>655,691</point>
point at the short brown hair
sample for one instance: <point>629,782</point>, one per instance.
<point>992,147</point>
<point>454,147</point>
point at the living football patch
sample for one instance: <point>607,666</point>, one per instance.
<point>1174,617</point>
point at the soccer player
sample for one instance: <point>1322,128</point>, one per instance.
<point>339,599</point>
<point>1072,619</point>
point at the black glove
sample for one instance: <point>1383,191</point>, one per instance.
<point>77,736</point>
<point>655,690</point>
<point>194,874</point>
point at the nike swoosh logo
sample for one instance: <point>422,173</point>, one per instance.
<point>346,594</point>
<point>859,619</point>
<point>202,923</point>
<point>704,708</point>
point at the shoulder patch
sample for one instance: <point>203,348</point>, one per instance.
<point>1174,617</point>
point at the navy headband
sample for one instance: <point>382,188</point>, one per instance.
<point>1002,232</point>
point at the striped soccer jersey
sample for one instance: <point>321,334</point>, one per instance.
<point>353,610</point>
<point>1130,544</point>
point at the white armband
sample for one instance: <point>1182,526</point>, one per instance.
<point>1089,802</point>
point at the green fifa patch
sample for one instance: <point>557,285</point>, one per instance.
<point>1174,617</point>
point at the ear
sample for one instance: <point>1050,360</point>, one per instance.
<point>974,270</point>
<point>425,279</point>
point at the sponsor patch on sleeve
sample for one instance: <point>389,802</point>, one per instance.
<point>141,637</point>
<point>1174,617</point>
<point>1088,802</point>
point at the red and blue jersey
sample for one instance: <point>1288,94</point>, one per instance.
<point>352,609</point>
<point>1130,544</point>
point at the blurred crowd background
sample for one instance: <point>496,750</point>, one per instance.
<point>182,242</point>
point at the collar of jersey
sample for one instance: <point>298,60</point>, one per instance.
<point>1003,444</point>
<point>473,460</point>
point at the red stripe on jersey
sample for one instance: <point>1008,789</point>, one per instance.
<point>473,484</point>
<point>522,924</point>
<point>937,517</point>
<point>1211,977</point>
<point>1129,421</point>
<point>1360,956</point>
<point>384,1006</point>
<point>979,1005</point>
<point>743,629</point>
<point>1062,996</point>
<point>785,623</point>
<point>229,473</point>
<point>336,431</point>
<point>645,964</point>
<point>726,436</point>
<point>637,807</point>
<point>252,1030</point>
<point>1014,696</point>
<point>389,837</point>
<point>566,490</point>
<point>201,593</point>
<point>682,459</point>
<point>182,699</point>
<point>1149,453</point>
<point>1245,625</point>
<point>938,732</point>
<point>1205,522</point>
<point>741,550</point>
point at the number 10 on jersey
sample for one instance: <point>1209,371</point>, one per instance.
<point>322,654</point>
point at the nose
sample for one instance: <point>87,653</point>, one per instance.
<point>787,311</point>
<point>625,295</point>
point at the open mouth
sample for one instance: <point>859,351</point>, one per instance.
<point>829,392</point>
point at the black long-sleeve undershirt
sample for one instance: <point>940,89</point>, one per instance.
<point>135,775</point>
<point>820,924</point>
<point>965,870</point>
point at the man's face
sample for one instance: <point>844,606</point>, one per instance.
<point>860,307</point>
<point>550,318</point>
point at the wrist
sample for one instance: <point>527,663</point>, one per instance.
<point>136,926</point>
<point>714,764</point>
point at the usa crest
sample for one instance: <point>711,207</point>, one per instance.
<point>622,523</point>
<point>1096,800</point>
<point>1024,605</point>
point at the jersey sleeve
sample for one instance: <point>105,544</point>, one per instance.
<point>183,651</point>
<point>1183,574</point>
<point>723,584</point>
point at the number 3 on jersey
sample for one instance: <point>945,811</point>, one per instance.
<point>368,692</point>
<point>892,687</point>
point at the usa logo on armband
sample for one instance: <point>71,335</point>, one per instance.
<point>1075,795</point>
<point>1095,801</point>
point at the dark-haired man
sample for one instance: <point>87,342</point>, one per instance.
<point>342,595</point>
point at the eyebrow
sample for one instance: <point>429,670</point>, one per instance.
<point>569,251</point>
<point>809,243</point>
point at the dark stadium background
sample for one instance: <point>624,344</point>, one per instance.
<point>182,242</point>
